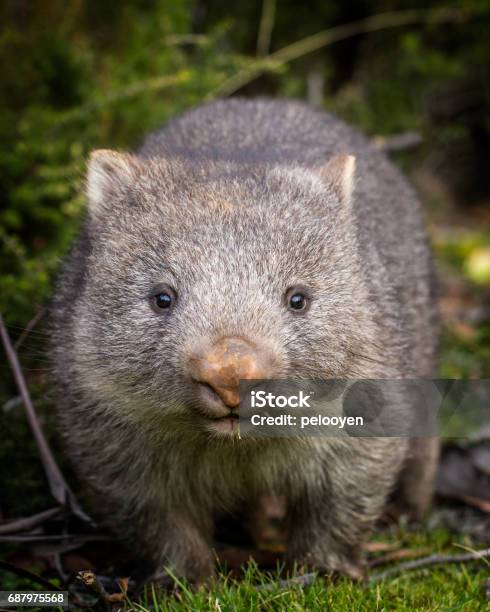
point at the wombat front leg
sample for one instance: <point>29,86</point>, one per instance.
<point>416,482</point>
<point>186,551</point>
<point>318,540</point>
<point>329,522</point>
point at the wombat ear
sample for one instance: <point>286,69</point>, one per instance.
<point>109,174</point>
<point>339,173</point>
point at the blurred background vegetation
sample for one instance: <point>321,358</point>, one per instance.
<point>81,74</point>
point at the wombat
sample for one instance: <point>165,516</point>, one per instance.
<point>248,239</point>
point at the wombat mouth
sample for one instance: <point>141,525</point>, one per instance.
<point>227,425</point>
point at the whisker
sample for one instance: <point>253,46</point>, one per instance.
<point>30,327</point>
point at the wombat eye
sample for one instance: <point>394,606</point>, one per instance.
<point>297,299</point>
<point>163,298</point>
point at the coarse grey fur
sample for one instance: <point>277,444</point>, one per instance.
<point>228,205</point>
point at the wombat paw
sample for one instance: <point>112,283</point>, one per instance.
<point>339,565</point>
<point>351,569</point>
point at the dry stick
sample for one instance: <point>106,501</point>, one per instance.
<point>383,21</point>
<point>397,555</point>
<point>432,560</point>
<point>24,524</point>
<point>265,27</point>
<point>90,580</point>
<point>308,579</point>
<point>303,580</point>
<point>57,484</point>
<point>397,142</point>
<point>74,539</point>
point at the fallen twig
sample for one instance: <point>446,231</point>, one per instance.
<point>307,579</point>
<point>24,524</point>
<point>75,538</point>
<point>397,555</point>
<point>57,484</point>
<point>89,579</point>
<point>476,555</point>
<point>375,547</point>
<point>397,142</point>
<point>303,580</point>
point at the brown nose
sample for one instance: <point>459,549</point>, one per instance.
<point>225,364</point>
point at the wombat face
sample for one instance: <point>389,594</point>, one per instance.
<point>197,278</point>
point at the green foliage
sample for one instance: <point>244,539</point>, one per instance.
<point>466,357</point>
<point>446,588</point>
<point>103,81</point>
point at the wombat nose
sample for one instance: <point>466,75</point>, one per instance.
<point>225,364</point>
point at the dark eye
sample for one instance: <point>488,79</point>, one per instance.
<point>297,299</point>
<point>163,298</point>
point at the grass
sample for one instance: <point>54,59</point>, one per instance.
<point>447,587</point>
<point>444,589</point>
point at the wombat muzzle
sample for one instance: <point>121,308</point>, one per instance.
<point>221,368</point>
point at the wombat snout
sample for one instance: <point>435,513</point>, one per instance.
<point>219,369</point>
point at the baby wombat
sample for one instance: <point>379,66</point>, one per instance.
<point>248,239</point>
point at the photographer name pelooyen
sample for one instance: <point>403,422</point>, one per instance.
<point>261,399</point>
